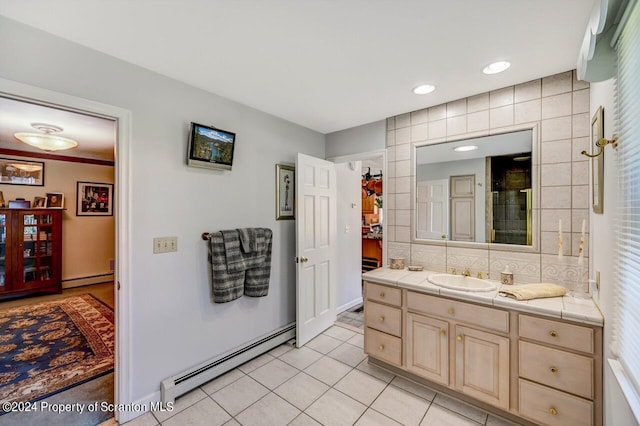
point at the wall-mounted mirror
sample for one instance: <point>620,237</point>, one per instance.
<point>476,190</point>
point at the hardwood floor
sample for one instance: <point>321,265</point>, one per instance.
<point>103,292</point>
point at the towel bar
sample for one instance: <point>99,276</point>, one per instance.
<point>206,235</point>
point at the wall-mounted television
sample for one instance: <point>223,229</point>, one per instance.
<point>210,148</point>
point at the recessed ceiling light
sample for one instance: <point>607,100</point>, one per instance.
<point>465,148</point>
<point>424,89</point>
<point>496,67</point>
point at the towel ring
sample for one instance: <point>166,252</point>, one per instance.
<point>601,144</point>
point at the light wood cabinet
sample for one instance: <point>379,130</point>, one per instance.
<point>383,323</point>
<point>427,347</point>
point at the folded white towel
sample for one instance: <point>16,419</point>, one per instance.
<point>533,291</point>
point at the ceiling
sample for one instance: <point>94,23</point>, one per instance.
<point>326,65</point>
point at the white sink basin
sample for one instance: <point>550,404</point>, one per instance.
<point>459,282</point>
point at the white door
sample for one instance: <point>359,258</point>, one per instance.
<point>432,213</point>
<point>315,247</point>
<point>463,212</point>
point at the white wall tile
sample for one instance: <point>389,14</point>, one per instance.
<point>403,152</point>
<point>390,217</point>
<point>420,116</point>
<point>419,132</point>
<point>580,173</point>
<point>556,106</point>
<point>549,242</point>
<point>528,91</point>
<point>438,129</point>
<point>391,123</point>
<point>403,185</point>
<point>457,108</point>
<point>390,233</point>
<point>477,260</point>
<point>501,117</point>
<point>403,217</point>
<point>580,197</point>
<point>549,219</point>
<point>581,125</point>
<point>403,120</point>
<point>526,112</point>
<point>554,129</point>
<point>555,84</point>
<point>396,249</point>
<point>525,266</point>
<point>579,145</point>
<point>579,84</point>
<point>390,200</point>
<point>403,168</point>
<point>389,186</point>
<point>432,258</point>
<point>561,271</point>
<point>555,197</point>
<point>456,125</point>
<point>391,137</point>
<point>403,135</point>
<point>478,121</point>
<point>558,174</point>
<point>556,152</point>
<point>577,216</point>
<point>575,244</point>
<point>581,101</point>
<point>391,155</point>
<point>501,97</point>
<point>403,234</point>
<point>438,112</point>
<point>478,103</point>
<point>391,165</point>
<point>403,201</point>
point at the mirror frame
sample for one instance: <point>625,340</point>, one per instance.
<point>535,180</point>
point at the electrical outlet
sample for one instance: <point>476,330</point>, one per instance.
<point>165,244</point>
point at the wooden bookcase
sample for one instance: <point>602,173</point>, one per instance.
<point>30,251</point>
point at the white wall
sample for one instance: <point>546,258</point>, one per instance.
<point>365,138</point>
<point>174,324</point>
<point>616,408</point>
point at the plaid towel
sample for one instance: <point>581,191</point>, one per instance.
<point>256,281</point>
<point>225,286</point>
<point>237,261</point>
<point>249,239</point>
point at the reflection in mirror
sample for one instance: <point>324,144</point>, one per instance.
<point>476,189</point>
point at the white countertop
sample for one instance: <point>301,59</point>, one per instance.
<point>566,307</point>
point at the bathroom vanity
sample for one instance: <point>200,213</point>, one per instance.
<point>539,360</point>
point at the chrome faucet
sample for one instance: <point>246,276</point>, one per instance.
<point>466,273</point>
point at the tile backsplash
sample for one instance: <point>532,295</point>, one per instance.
<point>559,105</point>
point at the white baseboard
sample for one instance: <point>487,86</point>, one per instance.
<point>349,305</point>
<point>82,281</point>
<point>138,407</point>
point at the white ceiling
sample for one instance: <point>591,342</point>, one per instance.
<point>326,65</point>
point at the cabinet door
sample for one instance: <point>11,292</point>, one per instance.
<point>482,366</point>
<point>36,260</point>
<point>426,346</point>
<point>4,265</point>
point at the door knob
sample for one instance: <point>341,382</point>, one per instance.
<point>301,259</point>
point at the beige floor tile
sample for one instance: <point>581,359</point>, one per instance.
<point>328,370</point>
<point>182,403</point>
<point>221,381</point>
<point>274,373</point>
<point>439,416</point>
<point>280,350</point>
<point>304,420</point>
<point>375,371</point>
<point>348,354</point>
<point>459,407</point>
<point>301,390</point>
<point>232,422</point>
<point>146,419</point>
<point>255,363</point>
<point>270,410</point>
<point>239,395</point>
<point>323,344</point>
<point>413,387</point>
<point>373,418</point>
<point>335,409</point>
<point>401,406</point>
<point>339,333</point>
<point>361,386</point>
<point>357,340</point>
<point>204,412</point>
<point>301,358</point>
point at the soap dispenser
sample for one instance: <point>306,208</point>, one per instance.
<point>506,276</point>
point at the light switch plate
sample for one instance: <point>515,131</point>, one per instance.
<point>165,244</point>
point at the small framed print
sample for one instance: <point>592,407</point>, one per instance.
<point>94,199</point>
<point>55,200</point>
<point>285,192</point>
<point>597,163</point>
<point>39,202</point>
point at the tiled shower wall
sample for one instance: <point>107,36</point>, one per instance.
<point>559,104</point>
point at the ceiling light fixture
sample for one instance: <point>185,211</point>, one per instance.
<point>47,140</point>
<point>496,67</point>
<point>465,148</point>
<point>424,89</point>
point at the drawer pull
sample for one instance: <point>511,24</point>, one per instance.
<point>443,332</point>
<point>554,369</point>
<point>381,347</point>
<point>382,294</point>
<point>553,333</point>
<point>553,411</point>
<point>459,338</point>
<point>451,311</point>
<point>381,319</point>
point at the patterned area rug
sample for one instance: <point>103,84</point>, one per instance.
<point>48,347</point>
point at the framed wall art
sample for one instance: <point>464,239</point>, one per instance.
<point>597,163</point>
<point>94,199</point>
<point>21,172</point>
<point>55,200</point>
<point>285,192</point>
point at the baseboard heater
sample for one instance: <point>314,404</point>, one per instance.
<point>182,383</point>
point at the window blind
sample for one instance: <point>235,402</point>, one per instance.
<point>626,325</point>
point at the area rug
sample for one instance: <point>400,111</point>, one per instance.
<point>48,347</point>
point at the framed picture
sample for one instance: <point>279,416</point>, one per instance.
<point>21,172</point>
<point>39,202</point>
<point>55,200</point>
<point>94,199</point>
<point>597,163</point>
<point>285,192</point>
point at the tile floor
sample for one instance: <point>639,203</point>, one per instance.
<point>353,317</point>
<point>326,382</point>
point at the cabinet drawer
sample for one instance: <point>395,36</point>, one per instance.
<point>481,316</point>
<point>551,407</point>
<point>559,369</point>
<point>557,333</point>
<point>383,346</point>
<point>383,318</point>
<point>383,293</point>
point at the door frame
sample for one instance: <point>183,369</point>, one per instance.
<point>45,97</point>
